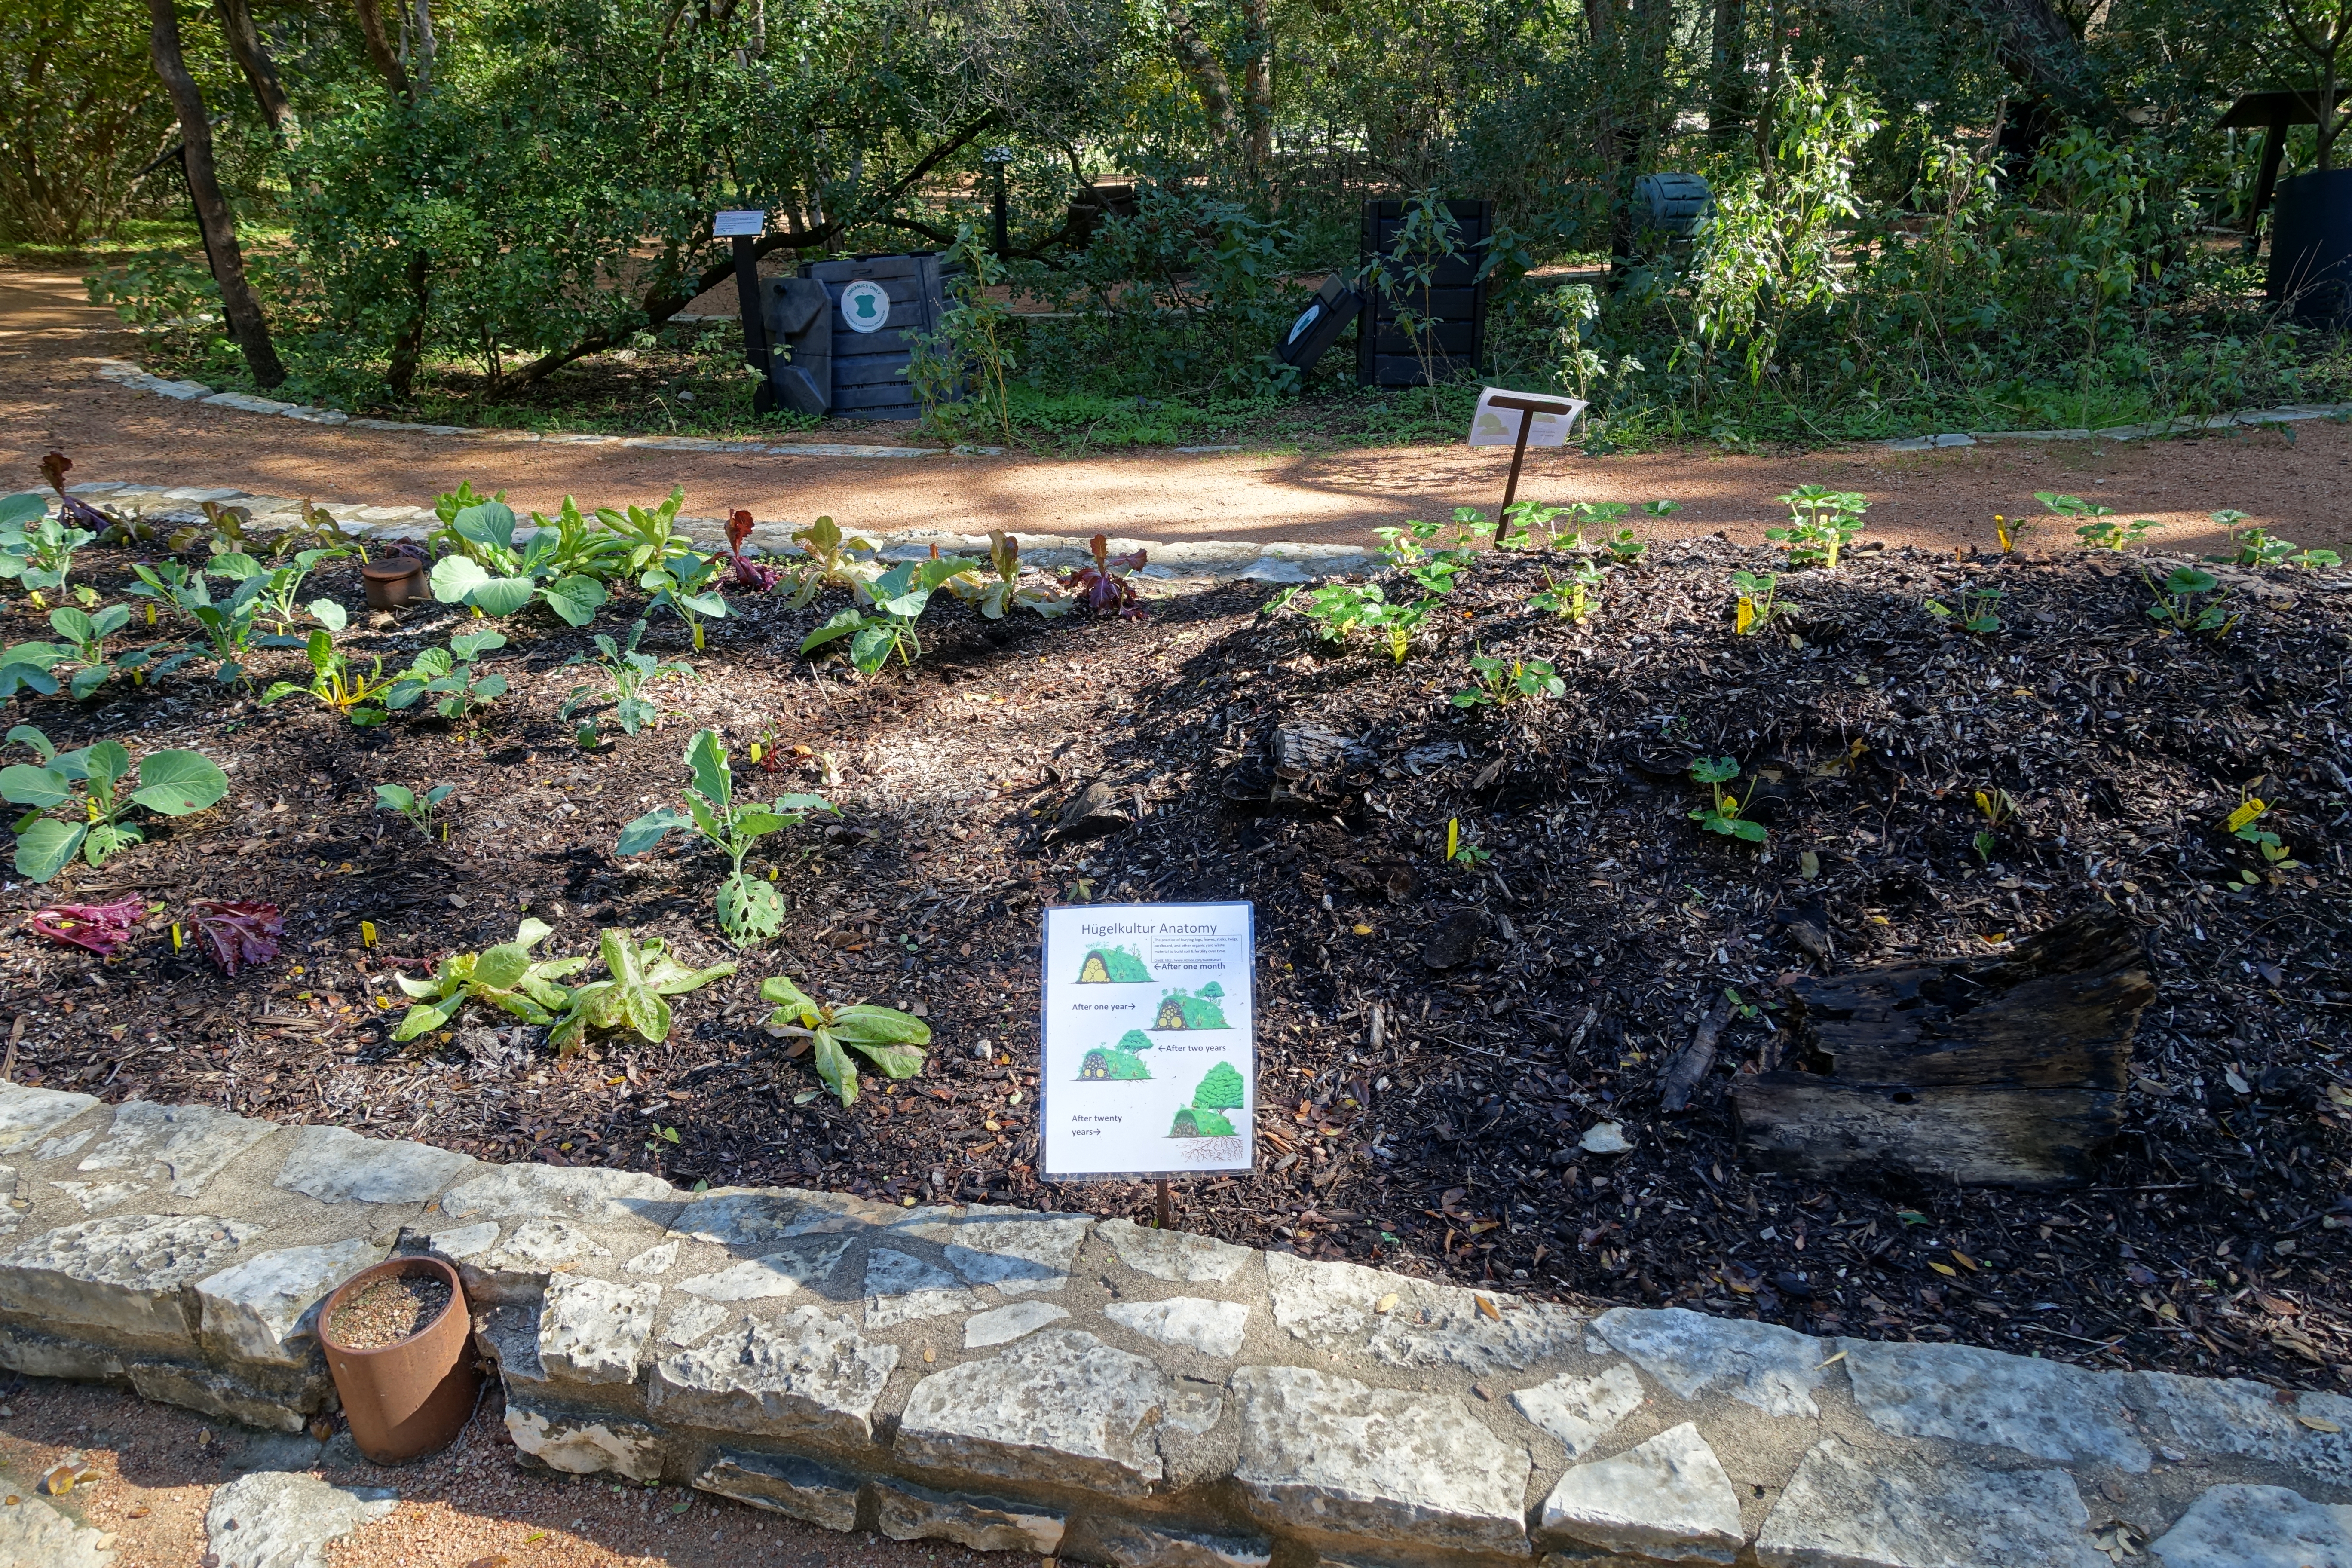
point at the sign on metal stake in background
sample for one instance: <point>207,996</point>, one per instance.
<point>1149,1066</point>
<point>1542,422</point>
<point>745,227</point>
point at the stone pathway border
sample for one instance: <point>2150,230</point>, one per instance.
<point>123,372</point>
<point>1195,559</point>
<point>1095,1391</point>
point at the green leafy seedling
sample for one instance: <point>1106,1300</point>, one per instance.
<point>1503,682</point>
<point>641,977</point>
<point>417,808</point>
<point>1821,523</point>
<point>626,673</point>
<point>893,1041</point>
<point>749,911</point>
<point>88,783</point>
<point>505,977</point>
<point>337,685</point>
<point>1723,814</point>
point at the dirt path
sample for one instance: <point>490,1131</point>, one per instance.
<point>49,398</point>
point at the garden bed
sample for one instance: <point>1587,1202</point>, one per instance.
<point>1606,922</point>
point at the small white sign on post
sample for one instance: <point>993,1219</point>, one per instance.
<point>1548,420</point>
<point>1149,1066</point>
<point>739,225</point>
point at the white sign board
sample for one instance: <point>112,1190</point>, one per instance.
<point>1149,1066</point>
<point>865,307</point>
<point>1493,426</point>
<point>739,225</point>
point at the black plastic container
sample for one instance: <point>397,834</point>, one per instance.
<point>2311,247</point>
<point>1453,303</point>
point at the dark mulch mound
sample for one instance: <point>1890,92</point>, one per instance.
<point>1589,943</point>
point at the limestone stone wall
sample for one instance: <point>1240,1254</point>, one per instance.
<point>1055,1384</point>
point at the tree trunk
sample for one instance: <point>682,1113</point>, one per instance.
<point>260,71</point>
<point>380,52</point>
<point>1209,78</point>
<point>1257,88</point>
<point>2007,1070</point>
<point>247,324</point>
<point>1727,103</point>
<point>2039,50</point>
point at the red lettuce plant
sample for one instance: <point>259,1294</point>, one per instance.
<point>98,928</point>
<point>237,933</point>
<point>749,573</point>
<point>1103,586</point>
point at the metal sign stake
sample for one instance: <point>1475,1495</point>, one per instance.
<point>1166,1204</point>
<point>1527,409</point>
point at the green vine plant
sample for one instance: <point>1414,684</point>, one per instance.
<point>1723,814</point>
<point>749,911</point>
<point>2096,528</point>
<point>1757,600</point>
<point>626,673</point>
<point>1570,598</point>
<point>2190,600</point>
<point>1823,523</point>
<point>1973,613</point>
<point>893,1041</point>
<point>88,784</point>
<point>2245,825</point>
<point>415,809</point>
<point>1504,681</point>
<point>2250,545</point>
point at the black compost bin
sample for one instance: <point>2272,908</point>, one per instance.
<point>2311,247</point>
<point>852,351</point>
<point>1454,302</point>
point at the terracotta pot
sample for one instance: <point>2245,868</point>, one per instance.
<point>411,1397</point>
<point>394,581</point>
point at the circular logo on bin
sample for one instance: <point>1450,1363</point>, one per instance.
<point>865,307</point>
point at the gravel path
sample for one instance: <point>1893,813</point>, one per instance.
<point>51,396</point>
<point>151,1471</point>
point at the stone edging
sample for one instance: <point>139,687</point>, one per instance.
<point>2244,418</point>
<point>1197,560</point>
<point>125,374</point>
<point>1088,1389</point>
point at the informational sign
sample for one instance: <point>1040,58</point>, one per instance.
<point>1150,1061</point>
<point>1498,425</point>
<point>865,307</point>
<point>739,225</point>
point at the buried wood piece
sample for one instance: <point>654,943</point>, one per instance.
<point>2003,1070</point>
<point>1689,1067</point>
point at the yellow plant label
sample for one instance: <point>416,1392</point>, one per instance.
<point>1744,616</point>
<point>2246,812</point>
<point>367,933</point>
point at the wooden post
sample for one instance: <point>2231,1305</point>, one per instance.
<point>1166,1204</point>
<point>747,294</point>
<point>1526,408</point>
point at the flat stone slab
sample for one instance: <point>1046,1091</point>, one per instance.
<point>582,1445</point>
<point>2047,1409</point>
<point>1479,1331</point>
<point>1191,1322</point>
<point>1329,1456</point>
<point>29,1115</point>
<point>780,1483</point>
<point>594,1331</point>
<point>124,1272</point>
<point>1854,1508</point>
<point>1581,1411</point>
<point>807,1374</point>
<point>263,1308</point>
<point>1667,1499</point>
<point>1327,1304</point>
<point>278,1519</point>
<point>1139,1546</point>
<point>2258,1527</point>
<point>36,1535</point>
<point>777,1274</point>
<point>904,1513</point>
<point>1060,1406</point>
<point>1773,1368</point>
<point>187,1145</point>
<point>900,1288</point>
<point>1006,1324</point>
<point>1175,1256</point>
<point>2232,1416</point>
<point>337,1166</point>
<point>586,1195</point>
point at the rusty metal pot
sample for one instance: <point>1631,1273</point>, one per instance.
<point>394,581</point>
<point>411,1397</point>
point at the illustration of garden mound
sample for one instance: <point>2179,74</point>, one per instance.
<point>1184,1010</point>
<point>1204,1123</point>
<point>1112,966</point>
<point>1118,1061</point>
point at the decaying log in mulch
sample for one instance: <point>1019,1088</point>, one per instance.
<point>2007,1070</point>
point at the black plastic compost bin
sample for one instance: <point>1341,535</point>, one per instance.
<point>1453,303</point>
<point>2311,247</point>
<point>851,326</point>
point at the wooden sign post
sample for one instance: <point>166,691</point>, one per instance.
<point>744,229</point>
<point>1543,421</point>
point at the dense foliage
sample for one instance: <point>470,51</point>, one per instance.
<point>1927,212</point>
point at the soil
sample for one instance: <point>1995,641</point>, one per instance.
<point>393,1308</point>
<point>1939,501</point>
<point>1446,1140</point>
<point>147,1473</point>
